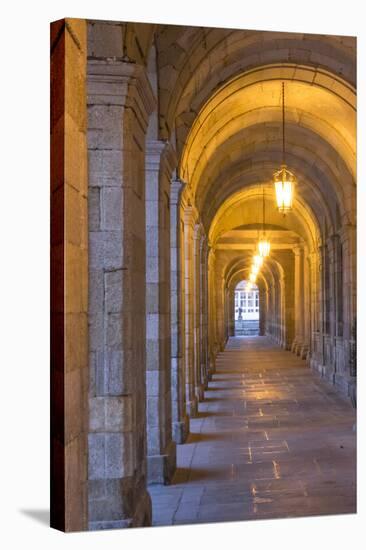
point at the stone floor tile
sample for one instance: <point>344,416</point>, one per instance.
<point>271,440</point>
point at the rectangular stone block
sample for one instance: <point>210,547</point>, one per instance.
<point>96,331</point>
<point>96,445</point>
<point>94,209</point>
<point>113,373</point>
<point>111,208</point>
<point>152,242</point>
<point>114,330</point>
<point>152,326</point>
<point>96,291</point>
<point>113,284</point>
<point>105,249</point>
<point>152,412</point>
<point>105,166</point>
<point>152,354</point>
<point>105,40</point>
<point>152,270</point>
<point>152,297</point>
<point>152,383</point>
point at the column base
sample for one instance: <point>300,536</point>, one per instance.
<point>192,408</point>
<point>181,431</point>
<point>200,393</point>
<point>118,504</point>
<point>161,468</point>
<point>304,351</point>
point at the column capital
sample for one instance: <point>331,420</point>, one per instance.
<point>297,249</point>
<point>176,188</point>
<point>160,155</point>
<point>112,82</point>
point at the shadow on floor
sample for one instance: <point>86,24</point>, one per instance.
<point>200,437</point>
<point>40,515</point>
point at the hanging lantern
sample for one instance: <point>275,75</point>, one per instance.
<point>264,247</point>
<point>284,180</point>
<point>255,269</point>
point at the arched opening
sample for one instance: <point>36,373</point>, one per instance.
<point>246,309</point>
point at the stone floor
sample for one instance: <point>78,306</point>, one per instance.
<point>272,440</point>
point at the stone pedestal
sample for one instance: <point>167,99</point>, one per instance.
<point>181,430</point>
<point>161,468</point>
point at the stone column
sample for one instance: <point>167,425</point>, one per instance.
<point>189,218</point>
<point>220,312</point>
<point>212,311</point>
<point>262,310</point>
<point>282,310</point>
<point>204,312</point>
<point>307,312</point>
<point>120,101</point>
<point>331,304</point>
<point>197,290</point>
<point>180,420</point>
<point>347,380</point>
<point>161,452</point>
<point>271,312</point>
<point>316,310</point>
<point>299,299</point>
<point>231,315</point>
<point>69,277</point>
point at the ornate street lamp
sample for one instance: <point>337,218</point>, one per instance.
<point>284,180</point>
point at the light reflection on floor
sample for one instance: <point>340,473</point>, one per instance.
<point>272,440</point>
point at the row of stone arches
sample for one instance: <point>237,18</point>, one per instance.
<point>176,137</point>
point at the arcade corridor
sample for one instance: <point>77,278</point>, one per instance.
<point>271,441</point>
<point>198,160</point>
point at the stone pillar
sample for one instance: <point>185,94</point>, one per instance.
<point>197,290</point>
<point>271,312</point>
<point>161,451</point>
<point>348,381</point>
<point>282,313</point>
<point>189,217</point>
<point>180,420</point>
<point>69,277</point>
<point>231,313</point>
<point>307,312</point>
<point>262,310</point>
<point>331,305</point>
<point>120,101</point>
<point>211,312</point>
<point>315,352</point>
<point>204,312</point>
<point>299,299</point>
<point>220,312</point>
